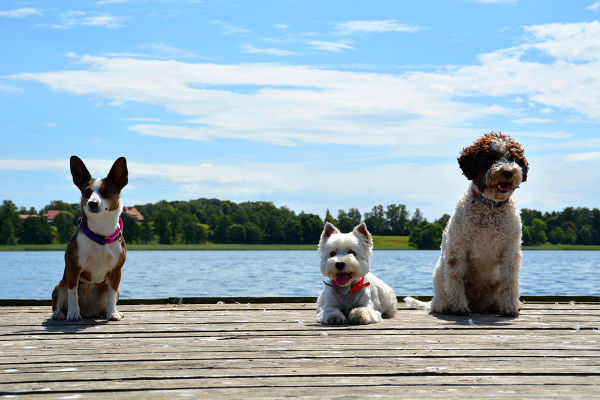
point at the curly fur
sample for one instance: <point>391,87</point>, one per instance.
<point>478,268</point>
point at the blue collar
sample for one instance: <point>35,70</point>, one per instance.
<point>488,202</point>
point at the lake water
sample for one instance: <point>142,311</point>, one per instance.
<point>161,274</point>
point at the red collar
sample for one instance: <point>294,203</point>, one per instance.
<point>353,288</point>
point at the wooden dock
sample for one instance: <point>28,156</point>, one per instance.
<point>275,350</point>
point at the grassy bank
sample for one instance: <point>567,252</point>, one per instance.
<point>380,243</point>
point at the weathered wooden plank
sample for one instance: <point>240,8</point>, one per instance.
<point>393,385</point>
<point>275,350</point>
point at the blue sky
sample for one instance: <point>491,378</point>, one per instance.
<point>313,105</point>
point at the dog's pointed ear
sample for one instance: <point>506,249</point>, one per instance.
<point>118,173</point>
<point>79,172</point>
<point>362,232</point>
<point>328,230</point>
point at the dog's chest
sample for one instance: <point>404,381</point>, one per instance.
<point>97,260</point>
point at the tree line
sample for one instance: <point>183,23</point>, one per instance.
<point>223,221</point>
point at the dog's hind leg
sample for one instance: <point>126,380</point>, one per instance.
<point>59,301</point>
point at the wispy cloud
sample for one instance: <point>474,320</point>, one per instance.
<point>229,29</point>
<point>495,1</point>
<point>20,13</point>
<point>330,46</point>
<point>290,105</point>
<point>373,26</point>
<point>163,50</point>
<point>281,26</point>
<point>247,48</point>
<point>71,19</point>
<point>594,7</point>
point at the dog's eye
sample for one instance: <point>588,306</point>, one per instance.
<point>352,252</point>
<point>333,253</point>
<point>87,193</point>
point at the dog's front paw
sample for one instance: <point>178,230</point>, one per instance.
<point>511,311</point>
<point>363,316</point>
<point>114,316</point>
<point>58,315</point>
<point>73,315</point>
<point>334,318</point>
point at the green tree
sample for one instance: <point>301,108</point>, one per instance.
<point>525,235</point>
<point>416,219</point>
<point>585,235</point>
<point>36,230</point>
<point>163,228</point>
<point>7,233</point>
<point>570,231</point>
<point>557,235</point>
<point>146,232</point>
<point>397,218</point>
<point>131,228</point>
<point>329,218</point>
<point>236,233</point>
<point>426,236</point>
<point>347,221</point>
<point>254,234</point>
<point>292,231</point>
<point>312,226</point>
<point>538,232</point>
<point>65,226</point>
<point>219,230</point>
<point>376,221</point>
<point>443,220</point>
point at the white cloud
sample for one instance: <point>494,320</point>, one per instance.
<point>267,51</point>
<point>20,13</point>
<point>578,157</point>
<point>290,105</point>
<point>532,120</point>
<point>373,26</point>
<point>330,46</point>
<point>229,29</point>
<point>163,50</point>
<point>594,6</point>
<point>495,1</point>
<point>32,165</point>
<point>82,18</point>
<point>281,26</point>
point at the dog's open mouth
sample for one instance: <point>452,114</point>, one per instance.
<point>503,187</point>
<point>342,278</point>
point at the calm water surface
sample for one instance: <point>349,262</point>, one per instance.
<point>159,274</point>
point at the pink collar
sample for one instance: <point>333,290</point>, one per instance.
<point>353,288</point>
<point>101,239</point>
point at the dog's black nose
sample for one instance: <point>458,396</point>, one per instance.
<point>340,265</point>
<point>507,174</point>
<point>92,205</point>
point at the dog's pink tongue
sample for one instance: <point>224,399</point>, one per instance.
<point>503,187</point>
<point>342,278</point>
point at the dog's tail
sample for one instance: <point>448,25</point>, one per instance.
<point>419,305</point>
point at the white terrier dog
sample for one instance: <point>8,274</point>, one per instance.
<point>352,294</point>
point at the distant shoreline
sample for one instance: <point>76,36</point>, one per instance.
<point>262,247</point>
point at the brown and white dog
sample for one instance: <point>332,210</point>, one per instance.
<point>478,268</point>
<point>96,252</point>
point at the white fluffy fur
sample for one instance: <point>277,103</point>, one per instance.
<point>365,306</point>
